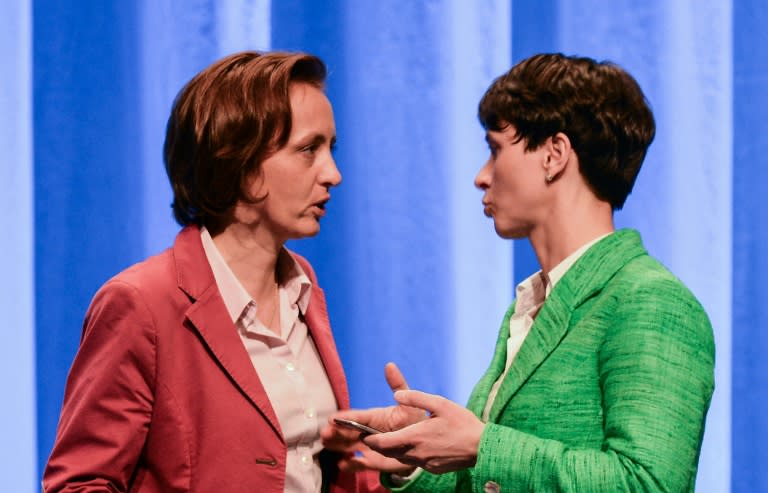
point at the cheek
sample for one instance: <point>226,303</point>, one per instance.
<point>504,186</point>
<point>296,191</point>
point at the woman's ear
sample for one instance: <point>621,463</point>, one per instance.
<point>557,155</point>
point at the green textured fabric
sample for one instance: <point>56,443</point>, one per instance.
<point>609,391</point>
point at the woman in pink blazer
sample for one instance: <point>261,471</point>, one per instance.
<point>211,367</point>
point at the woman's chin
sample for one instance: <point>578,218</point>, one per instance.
<point>307,229</point>
<point>509,231</point>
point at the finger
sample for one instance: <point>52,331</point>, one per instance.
<point>369,459</point>
<point>360,458</point>
<point>398,449</point>
<point>339,440</point>
<point>415,398</point>
<point>393,444</point>
<point>395,377</point>
<point>362,416</point>
<point>340,444</point>
<point>352,464</point>
<point>359,415</point>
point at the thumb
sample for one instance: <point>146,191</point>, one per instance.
<point>395,377</point>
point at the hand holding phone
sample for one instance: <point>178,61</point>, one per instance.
<point>348,423</point>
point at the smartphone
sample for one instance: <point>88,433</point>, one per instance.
<point>356,426</point>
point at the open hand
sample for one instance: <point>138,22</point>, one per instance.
<point>360,456</point>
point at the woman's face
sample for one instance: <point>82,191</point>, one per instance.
<point>514,184</point>
<point>297,178</point>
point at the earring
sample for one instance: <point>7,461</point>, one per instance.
<point>549,178</point>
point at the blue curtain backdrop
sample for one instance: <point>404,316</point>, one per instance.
<point>412,270</point>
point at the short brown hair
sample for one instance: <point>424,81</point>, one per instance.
<point>598,105</point>
<point>224,123</point>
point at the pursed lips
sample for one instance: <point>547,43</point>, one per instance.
<point>487,210</point>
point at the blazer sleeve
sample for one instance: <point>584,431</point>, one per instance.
<point>108,397</point>
<point>425,482</point>
<point>656,374</point>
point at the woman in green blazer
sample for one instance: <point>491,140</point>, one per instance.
<point>603,369</point>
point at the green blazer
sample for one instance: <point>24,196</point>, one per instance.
<point>608,392</point>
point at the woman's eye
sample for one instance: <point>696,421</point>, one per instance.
<point>309,149</point>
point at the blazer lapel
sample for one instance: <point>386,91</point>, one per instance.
<point>581,282</point>
<point>319,327</point>
<point>209,317</point>
<point>547,331</point>
<point>479,395</point>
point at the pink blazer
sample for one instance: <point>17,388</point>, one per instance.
<point>162,396</point>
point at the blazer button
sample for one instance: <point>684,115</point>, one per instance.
<point>491,487</point>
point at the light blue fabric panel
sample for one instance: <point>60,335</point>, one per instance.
<point>177,39</point>
<point>18,426</point>
<point>481,265</point>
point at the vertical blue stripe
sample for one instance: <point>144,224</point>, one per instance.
<point>478,46</point>
<point>750,237</point>
<point>88,194</point>
<point>175,40</point>
<point>243,25</point>
<point>17,364</point>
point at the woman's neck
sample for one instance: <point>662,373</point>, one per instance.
<point>252,259</point>
<point>568,227</point>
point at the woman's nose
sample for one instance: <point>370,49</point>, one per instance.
<point>482,180</point>
<point>331,175</point>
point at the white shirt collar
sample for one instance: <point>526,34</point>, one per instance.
<point>560,269</point>
<point>536,288</point>
<point>294,280</point>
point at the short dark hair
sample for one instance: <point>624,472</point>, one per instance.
<point>224,123</point>
<point>598,105</point>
